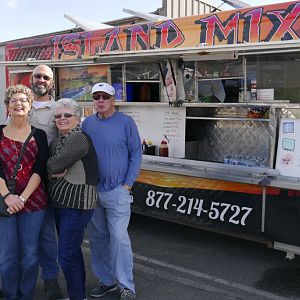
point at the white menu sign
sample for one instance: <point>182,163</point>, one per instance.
<point>265,94</point>
<point>288,149</point>
<point>156,122</point>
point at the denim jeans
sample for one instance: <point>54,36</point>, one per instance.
<point>71,224</point>
<point>111,253</point>
<point>48,247</point>
<point>19,254</point>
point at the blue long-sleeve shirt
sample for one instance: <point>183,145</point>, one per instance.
<point>118,146</point>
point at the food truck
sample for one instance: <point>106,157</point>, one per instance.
<point>216,99</point>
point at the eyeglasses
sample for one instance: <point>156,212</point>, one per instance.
<point>99,96</point>
<point>65,115</point>
<point>40,76</point>
<point>15,100</point>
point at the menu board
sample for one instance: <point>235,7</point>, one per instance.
<point>154,123</point>
<point>288,149</point>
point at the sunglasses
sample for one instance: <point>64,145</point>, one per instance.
<point>99,96</point>
<point>40,76</point>
<point>65,115</point>
<point>22,100</point>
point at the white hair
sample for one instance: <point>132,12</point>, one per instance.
<point>70,103</point>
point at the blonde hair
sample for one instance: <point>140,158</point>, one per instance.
<point>16,89</point>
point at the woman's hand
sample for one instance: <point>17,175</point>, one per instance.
<point>14,203</point>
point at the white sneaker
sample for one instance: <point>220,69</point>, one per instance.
<point>290,256</point>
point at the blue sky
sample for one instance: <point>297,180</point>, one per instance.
<point>23,18</point>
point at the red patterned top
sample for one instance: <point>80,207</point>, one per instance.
<point>9,152</point>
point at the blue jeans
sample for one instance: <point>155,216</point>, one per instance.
<point>111,253</point>
<point>19,254</point>
<point>70,228</point>
<point>48,247</point>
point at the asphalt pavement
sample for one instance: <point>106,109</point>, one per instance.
<point>175,262</point>
<point>149,285</point>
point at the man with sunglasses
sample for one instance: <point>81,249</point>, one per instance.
<point>118,146</point>
<point>42,116</point>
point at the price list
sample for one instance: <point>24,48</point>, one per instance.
<point>156,122</point>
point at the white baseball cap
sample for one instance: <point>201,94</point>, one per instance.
<point>103,87</point>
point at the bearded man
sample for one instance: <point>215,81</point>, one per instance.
<point>42,112</point>
<point>42,116</point>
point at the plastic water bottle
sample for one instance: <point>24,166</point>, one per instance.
<point>227,159</point>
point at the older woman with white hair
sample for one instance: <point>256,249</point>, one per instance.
<point>73,172</point>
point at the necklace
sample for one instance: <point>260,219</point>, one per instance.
<point>20,165</point>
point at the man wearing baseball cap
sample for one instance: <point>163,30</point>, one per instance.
<point>118,146</point>
<point>103,87</point>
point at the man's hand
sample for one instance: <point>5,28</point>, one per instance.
<point>127,187</point>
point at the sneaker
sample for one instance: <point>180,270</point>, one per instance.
<point>52,289</point>
<point>102,290</point>
<point>127,294</point>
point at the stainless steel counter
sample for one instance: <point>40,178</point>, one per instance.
<point>219,171</point>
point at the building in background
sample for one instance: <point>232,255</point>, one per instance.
<point>183,8</point>
<point>171,9</point>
